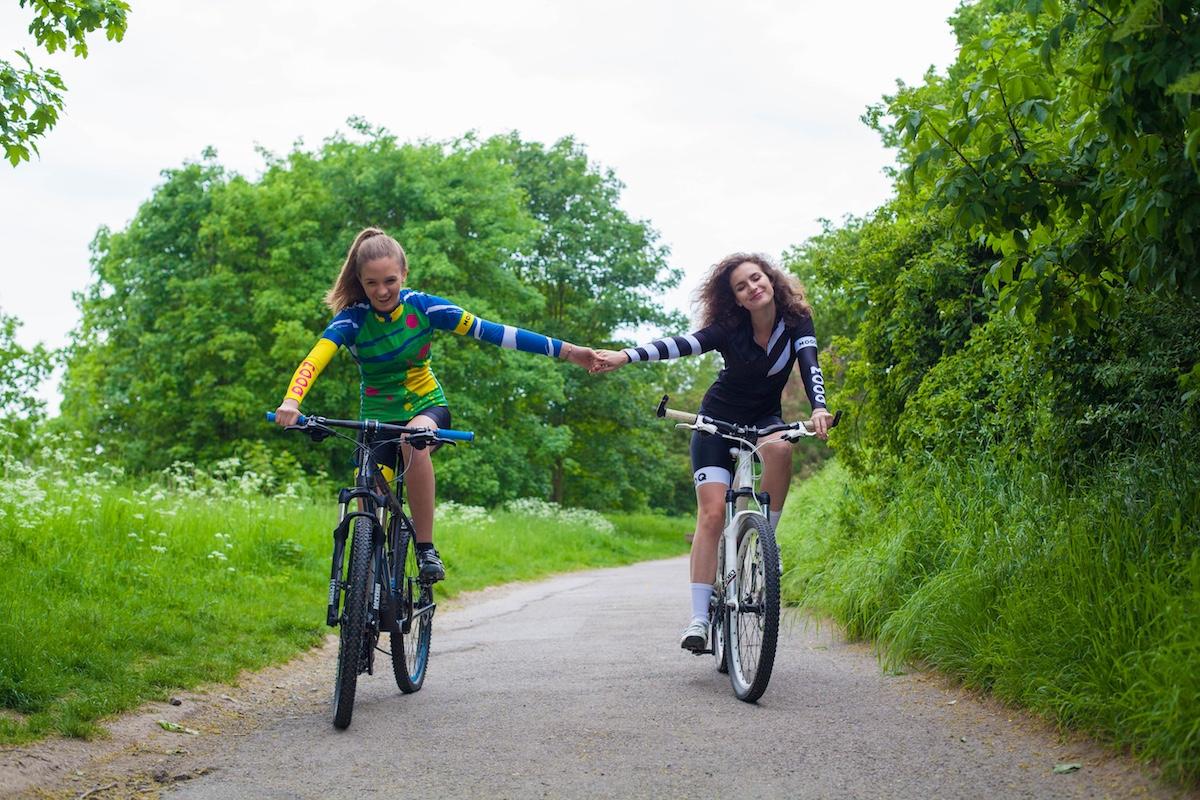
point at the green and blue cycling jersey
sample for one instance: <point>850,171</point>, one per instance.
<point>393,351</point>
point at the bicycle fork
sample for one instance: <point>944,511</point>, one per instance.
<point>335,576</point>
<point>340,534</point>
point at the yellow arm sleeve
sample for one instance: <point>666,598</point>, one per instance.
<point>306,374</point>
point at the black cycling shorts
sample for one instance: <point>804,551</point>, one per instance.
<point>386,451</point>
<point>711,460</point>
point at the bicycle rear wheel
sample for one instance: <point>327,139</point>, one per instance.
<point>752,629</point>
<point>718,612</point>
<point>352,624</point>
<point>410,640</point>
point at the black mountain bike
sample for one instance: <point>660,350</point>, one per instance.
<point>375,586</point>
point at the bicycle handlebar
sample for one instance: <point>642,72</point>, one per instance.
<point>688,418</point>
<point>374,426</point>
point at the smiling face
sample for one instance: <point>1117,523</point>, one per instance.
<point>751,287</point>
<point>382,279</point>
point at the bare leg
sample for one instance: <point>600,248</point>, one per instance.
<point>419,480</point>
<point>776,456</point>
<point>710,519</point>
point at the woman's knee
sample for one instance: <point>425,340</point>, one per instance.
<point>711,516</point>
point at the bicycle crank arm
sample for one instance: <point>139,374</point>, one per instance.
<point>407,622</point>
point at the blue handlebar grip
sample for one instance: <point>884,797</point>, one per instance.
<point>271,418</point>
<point>462,436</point>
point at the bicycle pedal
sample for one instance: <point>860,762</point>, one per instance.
<point>708,652</point>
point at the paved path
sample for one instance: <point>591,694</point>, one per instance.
<point>576,687</point>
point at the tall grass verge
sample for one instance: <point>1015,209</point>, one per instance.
<point>111,594</point>
<point>1080,601</point>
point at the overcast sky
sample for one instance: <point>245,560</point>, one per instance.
<point>733,126</point>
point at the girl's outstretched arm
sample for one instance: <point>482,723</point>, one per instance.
<point>692,344</point>
<point>448,316</point>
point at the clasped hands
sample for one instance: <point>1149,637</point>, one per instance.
<point>594,361</point>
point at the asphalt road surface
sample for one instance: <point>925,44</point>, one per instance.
<point>576,687</point>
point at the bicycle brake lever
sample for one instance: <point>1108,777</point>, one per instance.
<point>315,433</point>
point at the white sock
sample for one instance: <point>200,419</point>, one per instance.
<point>701,593</point>
<point>773,518</point>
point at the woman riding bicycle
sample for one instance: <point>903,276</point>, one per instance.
<point>387,328</point>
<point>757,317</point>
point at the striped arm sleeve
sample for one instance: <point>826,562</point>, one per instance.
<point>306,374</point>
<point>810,370</point>
<point>447,316</point>
<point>692,344</point>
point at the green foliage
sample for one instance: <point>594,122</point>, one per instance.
<point>31,98</point>
<point>1080,600</point>
<point>200,309</point>
<point>22,372</point>
<point>1065,138</point>
<point>1022,353</point>
<point>598,271</point>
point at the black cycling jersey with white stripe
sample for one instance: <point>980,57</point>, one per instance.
<point>750,385</point>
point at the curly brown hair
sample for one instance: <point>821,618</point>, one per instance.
<point>370,244</point>
<point>714,296</point>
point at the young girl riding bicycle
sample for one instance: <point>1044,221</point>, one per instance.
<point>757,317</point>
<point>387,328</point>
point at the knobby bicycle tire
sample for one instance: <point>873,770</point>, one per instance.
<point>752,630</point>
<point>410,648</point>
<point>353,624</point>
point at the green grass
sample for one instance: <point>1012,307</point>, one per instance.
<point>1081,602</point>
<point>111,596</point>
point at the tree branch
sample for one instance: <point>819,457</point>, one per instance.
<point>957,152</point>
<point>1018,143</point>
<point>1099,13</point>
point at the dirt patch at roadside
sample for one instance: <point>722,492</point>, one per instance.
<point>139,756</point>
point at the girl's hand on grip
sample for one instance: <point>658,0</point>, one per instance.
<point>288,413</point>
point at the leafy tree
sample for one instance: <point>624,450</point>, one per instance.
<point>31,98</point>
<point>22,372</point>
<point>200,309</point>
<point>1024,318</point>
<point>1066,137</point>
<point>598,271</point>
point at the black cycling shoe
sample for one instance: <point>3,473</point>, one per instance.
<point>431,568</point>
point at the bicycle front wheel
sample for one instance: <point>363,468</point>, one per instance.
<point>410,638</point>
<point>752,629</point>
<point>353,624</point>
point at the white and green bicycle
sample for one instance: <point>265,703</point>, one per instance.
<point>744,611</point>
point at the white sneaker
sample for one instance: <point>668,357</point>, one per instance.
<point>695,636</point>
